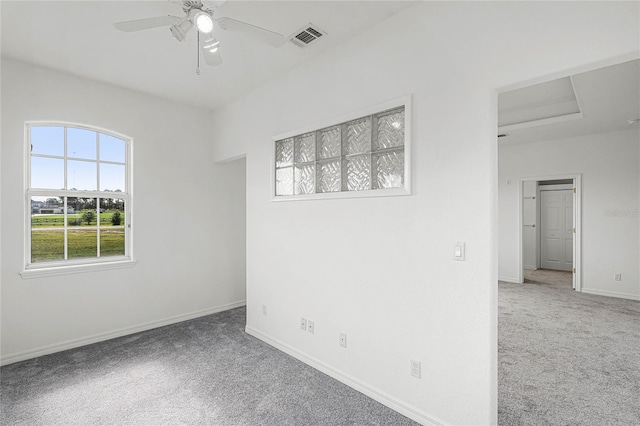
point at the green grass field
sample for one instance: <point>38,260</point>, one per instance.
<point>57,220</point>
<point>49,245</point>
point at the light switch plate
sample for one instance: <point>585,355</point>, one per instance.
<point>458,250</point>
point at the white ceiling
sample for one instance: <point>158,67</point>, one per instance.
<point>608,97</point>
<point>78,37</point>
<point>538,102</point>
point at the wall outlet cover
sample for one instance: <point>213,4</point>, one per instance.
<point>416,368</point>
<point>342,340</point>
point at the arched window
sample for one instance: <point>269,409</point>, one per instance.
<point>78,197</point>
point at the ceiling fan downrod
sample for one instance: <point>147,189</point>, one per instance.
<point>198,54</point>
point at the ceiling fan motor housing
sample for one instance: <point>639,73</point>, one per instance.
<point>189,5</point>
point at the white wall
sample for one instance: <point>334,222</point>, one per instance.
<point>610,172</point>
<point>381,269</point>
<point>188,219</point>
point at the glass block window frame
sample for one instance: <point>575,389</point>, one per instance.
<point>366,154</point>
<point>77,147</point>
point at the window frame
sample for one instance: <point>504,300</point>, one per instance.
<point>404,101</point>
<point>67,266</point>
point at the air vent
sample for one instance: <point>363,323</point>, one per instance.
<point>306,35</point>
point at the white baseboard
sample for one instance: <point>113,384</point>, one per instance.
<point>376,394</point>
<point>509,280</point>
<point>76,343</point>
<point>611,294</point>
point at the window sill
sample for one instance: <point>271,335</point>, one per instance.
<point>75,269</point>
<point>393,192</point>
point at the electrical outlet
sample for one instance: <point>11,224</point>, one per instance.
<point>415,368</point>
<point>617,277</point>
<point>343,340</point>
<point>303,324</point>
<point>264,310</point>
<point>310,326</point>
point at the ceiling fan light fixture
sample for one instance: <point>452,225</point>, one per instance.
<point>211,45</point>
<point>179,30</point>
<point>203,22</point>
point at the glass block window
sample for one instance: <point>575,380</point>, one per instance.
<point>364,154</point>
<point>78,196</point>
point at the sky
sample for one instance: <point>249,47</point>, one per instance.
<point>83,166</point>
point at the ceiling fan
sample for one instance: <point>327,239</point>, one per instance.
<point>201,17</point>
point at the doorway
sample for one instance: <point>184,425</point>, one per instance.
<point>556,227</point>
<point>550,230</point>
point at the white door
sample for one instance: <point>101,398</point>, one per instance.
<point>556,229</point>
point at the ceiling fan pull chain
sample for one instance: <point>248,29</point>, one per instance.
<point>198,54</point>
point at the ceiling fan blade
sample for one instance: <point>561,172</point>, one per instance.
<point>147,23</point>
<point>261,34</point>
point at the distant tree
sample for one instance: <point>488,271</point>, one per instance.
<point>116,218</point>
<point>52,201</point>
<point>88,216</point>
<point>89,203</point>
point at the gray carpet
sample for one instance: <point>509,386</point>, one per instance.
<point>205,371</point>
<point>548,276</point>
<point>567,358</point>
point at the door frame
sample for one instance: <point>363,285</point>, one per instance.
<point>577,222</point>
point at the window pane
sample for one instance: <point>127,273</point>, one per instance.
<point>359,173</point>
<point>81,143</point>
<point>329,143</point>
<point>112,177</point>
<point>112,241</point>
<point>366,153</point>
<point>82,242</point>
<point>390,129</point>
<point>47,173</point>
<point>112,212</point>
<point>358,136</point>
<point>81,175</point>
<point>47,140</point>
<point>390,170</point>
<point>284,181</point>
<point>284,153</point>
<point>305,148</point>
<point>112,149</point>
<point>82,236</point>
<point>47,245</point>
<point>329,176</point>
<point>81,211</point>
<point>305,182</point>
<point>112,227</point>
<point>47,229</point>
